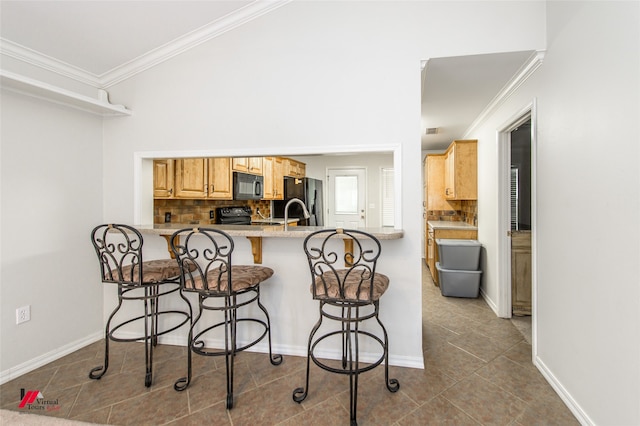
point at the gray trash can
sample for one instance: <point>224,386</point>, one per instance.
<point>459,267</point>
<point>459,254</point>
<point>459,283</point>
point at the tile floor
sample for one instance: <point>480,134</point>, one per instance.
<point>478,371</point>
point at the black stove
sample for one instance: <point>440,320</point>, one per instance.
<point>240,215</point>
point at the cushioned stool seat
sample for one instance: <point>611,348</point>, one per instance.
<point>355,285</point>
<point>223,289</point>
<point>119,251</point>
<point>348,289</point>
<point>244,276</point>
<point>153,271</point>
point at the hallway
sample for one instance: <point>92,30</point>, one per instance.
<point>478,371</point>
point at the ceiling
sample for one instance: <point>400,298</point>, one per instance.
<point>456,90</point>
<point>103,42</point>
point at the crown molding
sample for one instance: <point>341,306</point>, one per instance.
<point>37,59</point>
<point>190,40</point>
<point>149,59</point>
<point>520,77</point>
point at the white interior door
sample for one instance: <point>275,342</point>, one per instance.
<point>346,201</point>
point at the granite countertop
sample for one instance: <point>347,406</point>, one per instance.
<point>445,224</point>
<point>273,221</point>
<point>267,231</point>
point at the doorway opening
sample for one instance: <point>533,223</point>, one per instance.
<point>520,212</point>
<point>517,218</point>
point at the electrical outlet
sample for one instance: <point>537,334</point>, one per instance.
<point>211,214</point>
<point>167,217</point>
<point>23,314</point>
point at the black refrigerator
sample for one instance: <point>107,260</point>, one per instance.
<point>309,191</point>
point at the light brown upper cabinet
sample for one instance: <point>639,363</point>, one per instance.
<point>220,179</point>
<point>163,178</point>
<point>203,178</point>
<point>434,176</point>
<point>294,168</point>
<point>240,164</point>
<point>251,165</point>
<point>273,172</point>
<point>461,170</point>
<point>191,178</point>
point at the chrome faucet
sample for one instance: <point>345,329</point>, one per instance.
<point>286,211</point>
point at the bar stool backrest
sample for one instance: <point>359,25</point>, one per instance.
<point>348,276</point>
<point>204,256</point>
<point>119,250</point>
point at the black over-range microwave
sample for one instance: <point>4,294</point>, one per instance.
<point>247,187</point>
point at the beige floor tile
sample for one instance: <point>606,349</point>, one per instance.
<point>520,353</point>
<point>99,416</point>
<point>109,390</point>
<point>323,385</point>
<point>420,385</point>
<point>524,381</point>
<point>376,405</point>
<point>267,405</point>
<point>480,346</point>
<point>152,408</point>
<point>216,414</point>
<point>433,335</point>
<point>478,370</point>
<point>35,380</point>
<point>452,361</point>
<point>486,403</point>
<point>436,412</point>
<point>539,412</point>
<point>210,388</point>
<point>328,413</point>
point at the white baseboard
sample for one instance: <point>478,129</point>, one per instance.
<point>32,364</point>
<point>490,302</point>
<point>289,350</point>
<point>566,397</point>
<point>175,340</point>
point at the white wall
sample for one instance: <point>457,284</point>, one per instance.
<point>312,77</point>
<point>323,75</point>
<point>588,197</point>
<point>51,198</point>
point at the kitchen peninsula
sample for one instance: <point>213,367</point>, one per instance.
<point>286,295</point>
<point>255,233</point>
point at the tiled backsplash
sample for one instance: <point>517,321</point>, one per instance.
<point>468,213</point>
<point>198,211</point>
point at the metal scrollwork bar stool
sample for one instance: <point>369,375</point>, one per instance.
<point>119,250</point>
<point>204,256</point>
<point>349,290</point>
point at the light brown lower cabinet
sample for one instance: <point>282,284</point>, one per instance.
<point>521,272</point>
